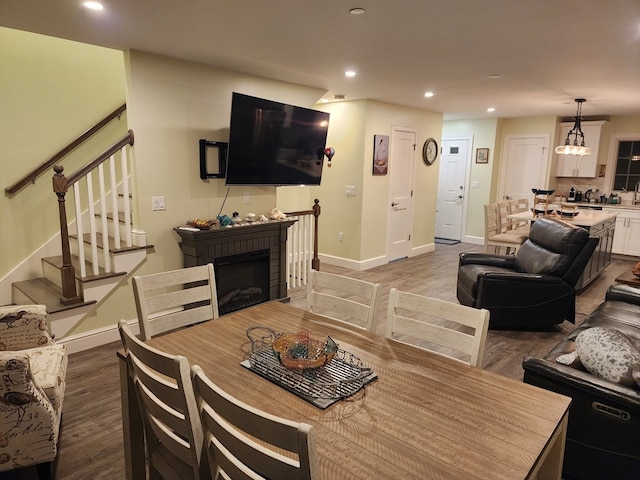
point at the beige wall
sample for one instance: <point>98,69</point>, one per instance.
<point>363,218</point>
<point>51,91</point>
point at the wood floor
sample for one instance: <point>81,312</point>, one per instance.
<point>91,436</point>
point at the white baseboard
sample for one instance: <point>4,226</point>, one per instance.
<point>95,338</point>
<point>473,240</point>
<point>361,265</point>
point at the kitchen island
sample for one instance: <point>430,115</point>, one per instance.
<point>601,224</point>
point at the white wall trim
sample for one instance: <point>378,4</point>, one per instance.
<point>473,240</point>
<point>96,338</point>
<point>360,265</point>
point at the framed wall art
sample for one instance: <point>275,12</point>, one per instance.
<point>380,154</point>
<point>482,155</point>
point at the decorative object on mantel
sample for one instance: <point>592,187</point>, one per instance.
<point>235,218</point>
<point>329,153</point>
<point>572,148</point>
<point>201,223</point>
<point>224,220</point>
<point>636,270</point>
<point>276,214</point>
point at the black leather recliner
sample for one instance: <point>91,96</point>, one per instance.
<point>534,288</point>
<point>604,417</point>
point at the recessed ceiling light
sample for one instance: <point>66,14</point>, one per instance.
<point>428,94</point>
<point>93,5</point>
<point>491,109</point>
<point>357,11</point>
<point>324,100</point>
<point>350,73</point>
<point>495,75</point>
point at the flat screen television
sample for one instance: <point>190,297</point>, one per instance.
<point>272,143</point>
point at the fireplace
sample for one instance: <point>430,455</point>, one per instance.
<point>249,260</point>
<point>242,280</point>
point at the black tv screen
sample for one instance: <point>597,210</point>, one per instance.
<point>272,143</point>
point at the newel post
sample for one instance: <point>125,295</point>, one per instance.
<point>69,293</point>
<point>315,261</point>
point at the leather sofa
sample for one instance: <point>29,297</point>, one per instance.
<point>535,288</point>
<point>604,417</point>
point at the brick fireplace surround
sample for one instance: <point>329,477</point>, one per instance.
<point>211,246</point>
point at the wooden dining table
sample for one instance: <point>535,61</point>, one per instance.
<point>425,416</point>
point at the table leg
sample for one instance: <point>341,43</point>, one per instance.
<point>132,426</point>
<point>552,458</point>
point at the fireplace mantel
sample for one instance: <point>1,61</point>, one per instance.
<point>205,246</point>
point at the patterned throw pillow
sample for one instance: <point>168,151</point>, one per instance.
<point>607,353</point>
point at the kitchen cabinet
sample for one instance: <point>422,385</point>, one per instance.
<point>604,232</point>
<point>626,240</point>
<point>576,166</point>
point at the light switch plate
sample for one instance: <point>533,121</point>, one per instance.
<point>158,203</point>
<point>350,190</point>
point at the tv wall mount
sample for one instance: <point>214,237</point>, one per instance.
<point>213,159</point>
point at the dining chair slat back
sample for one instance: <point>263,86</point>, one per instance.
<point>494,238</point>
<point>243,442</point>
<point>173,299</point>
<point>173,433</point>
<point>429,319</point>
<point>348,300</point>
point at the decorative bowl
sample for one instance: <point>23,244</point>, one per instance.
<point>542,192</point>
<point>304,350</point>
<point>568,213</point>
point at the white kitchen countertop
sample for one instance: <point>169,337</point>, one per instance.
<point>592,205</point>
<point>585,217</point>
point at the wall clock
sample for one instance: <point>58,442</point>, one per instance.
<point>430,151</point>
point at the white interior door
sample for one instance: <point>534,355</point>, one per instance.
<point>400,219</point>
<point>524,166</point>
<point>452,184</point>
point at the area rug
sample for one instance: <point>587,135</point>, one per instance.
<point>446,241</point>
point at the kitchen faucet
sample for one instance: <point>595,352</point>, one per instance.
<point>636,196</point>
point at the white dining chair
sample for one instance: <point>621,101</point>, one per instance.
<point>177,298</point>
<point>245,443</point>
<point>349,300</point>
<point>440,323</point>
<point>172,428</point>
<point>495,239</point>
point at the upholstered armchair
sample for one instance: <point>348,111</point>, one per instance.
<point>535,288</point>
<point>32,384</point>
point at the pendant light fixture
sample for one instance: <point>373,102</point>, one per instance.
<point>573,147</point>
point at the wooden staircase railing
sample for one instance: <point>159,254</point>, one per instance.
<point>302,245</point>
<point>108,193</point>
<point>39,170</point>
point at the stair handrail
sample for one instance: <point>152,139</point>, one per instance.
<point>36,172</point>
<point>61,184</point>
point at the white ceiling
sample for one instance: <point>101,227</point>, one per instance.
<point>549,52</point>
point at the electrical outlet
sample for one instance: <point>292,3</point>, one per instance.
<point>158,203</point>
<point>247,197</point>
<point>350,190</point>
<point>340,236</point>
